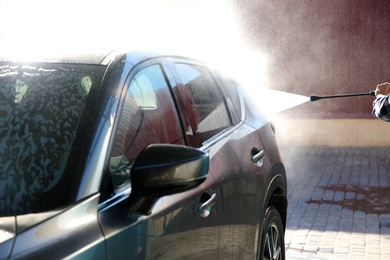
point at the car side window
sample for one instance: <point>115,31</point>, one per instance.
<point>203,101</point>
<point>148,117</point>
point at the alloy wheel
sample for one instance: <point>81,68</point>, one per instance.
<point>272,248</point>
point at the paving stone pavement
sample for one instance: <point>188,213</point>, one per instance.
<point>339,202</point>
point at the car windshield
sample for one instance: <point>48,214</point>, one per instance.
<point>40,109</point>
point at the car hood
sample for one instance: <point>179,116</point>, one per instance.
<point>10,226</point>
<point>7,235</point>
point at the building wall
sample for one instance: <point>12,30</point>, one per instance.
<point>320,47</point>
<point>330,47</point>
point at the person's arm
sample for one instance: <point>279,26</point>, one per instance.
<point>381,104</point>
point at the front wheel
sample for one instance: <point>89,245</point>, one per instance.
<point>272,239</point>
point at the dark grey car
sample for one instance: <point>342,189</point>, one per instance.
<point>136,155</point>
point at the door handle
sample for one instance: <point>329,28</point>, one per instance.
<point>257,155</point>
<point>205,207</point>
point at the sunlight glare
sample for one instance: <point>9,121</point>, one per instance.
<point>208,30</point>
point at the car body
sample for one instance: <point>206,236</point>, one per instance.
<point>138,155</point>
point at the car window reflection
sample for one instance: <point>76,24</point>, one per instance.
<point>203,102</point>
<point>148,117</point>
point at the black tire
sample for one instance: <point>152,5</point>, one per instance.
<point>272,239</point>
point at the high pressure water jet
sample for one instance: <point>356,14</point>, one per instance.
<point>314,98</point>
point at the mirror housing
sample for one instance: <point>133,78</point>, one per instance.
<point>165,169</point>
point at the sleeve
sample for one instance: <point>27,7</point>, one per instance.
<point>381,108</point>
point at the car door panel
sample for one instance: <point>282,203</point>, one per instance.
<point>174,224</point>
<point>238,181</point>
<point>224,165</point>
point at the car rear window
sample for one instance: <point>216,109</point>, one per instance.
<point>233,99</point>
<point>40,107</point>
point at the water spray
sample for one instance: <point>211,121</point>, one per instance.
<point>314,98</point>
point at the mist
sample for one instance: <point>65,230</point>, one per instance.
<point>302,47</point>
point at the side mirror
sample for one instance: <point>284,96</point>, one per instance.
<point>164,169</point>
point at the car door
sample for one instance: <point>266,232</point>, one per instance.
<point>255,166</point>
<point>212,123</point>
<point>183,225</point>
<point>215,116</point>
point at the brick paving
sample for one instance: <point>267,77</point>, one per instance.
<point>339,202</point>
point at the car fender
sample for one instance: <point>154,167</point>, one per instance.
<point>278,181</point>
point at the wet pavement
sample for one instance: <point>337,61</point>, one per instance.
<point>339,202</point>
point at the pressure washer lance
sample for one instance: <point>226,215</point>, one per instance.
<point>314,98</point>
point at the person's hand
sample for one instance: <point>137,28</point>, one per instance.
<point>382,89</point>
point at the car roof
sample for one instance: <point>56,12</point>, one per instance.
<point>82,56</point>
